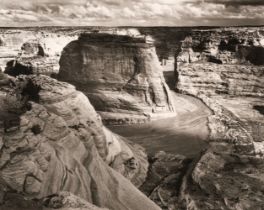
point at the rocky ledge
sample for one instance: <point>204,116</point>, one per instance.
<point>120,74</point>
<point>52,140</point>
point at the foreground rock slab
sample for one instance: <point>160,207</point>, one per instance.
<point>52,140</point>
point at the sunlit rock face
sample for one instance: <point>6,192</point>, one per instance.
<point>121,75</point>
<point>52,140</point>
<point>223,69</point>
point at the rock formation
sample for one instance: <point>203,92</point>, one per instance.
<point>228,79</point>
<point>61,200</point>
<point>227,175</point>
<point>52,140</point>
<point>121,76</point>
<point>233,85</point>
<point>40,50</point>
<point>223,46</point>
<point>223,69</point>
<point>164,179</point>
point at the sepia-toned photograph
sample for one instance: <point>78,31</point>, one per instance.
<point>131,104</point>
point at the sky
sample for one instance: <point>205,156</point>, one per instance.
<point>16,13</point>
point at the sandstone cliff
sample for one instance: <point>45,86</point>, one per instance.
<point>121,75</point>
<point>52,140</point>
<point>38,50</point>
<point>223,46</point>
<point>219,79</point>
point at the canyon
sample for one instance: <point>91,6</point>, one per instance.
<point>132,118</point>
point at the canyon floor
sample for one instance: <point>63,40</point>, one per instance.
<point>184,134</point>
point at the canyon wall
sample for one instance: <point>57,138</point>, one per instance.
<point>52,140</point>
<point>139,91</point>
<point>221,79</point>
<point>36,51</point>
<point>234,80</point>
<point>224,68</point>
<point>120,74</point>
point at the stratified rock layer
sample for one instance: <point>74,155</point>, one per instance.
<point>40,49</point>
<point>223,46</point>
<point>213,79</point>
<point>52,140</point>
<point>222,69</point>
<point>121,75</point>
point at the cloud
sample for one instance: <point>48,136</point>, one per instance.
<point>131,12</point>
<point>237,2</point>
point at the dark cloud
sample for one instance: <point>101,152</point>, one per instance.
<point>237,2</point>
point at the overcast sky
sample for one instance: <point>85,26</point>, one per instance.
<point>131,12</point>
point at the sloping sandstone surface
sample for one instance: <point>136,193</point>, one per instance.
<point>52,140</point>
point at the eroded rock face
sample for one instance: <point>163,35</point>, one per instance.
<point>40,49</point>
<point>225,79</point>
<point>52,140</point>
<point>226,176</point>
<point>223,46</point>
<point>222,62</point>
<point>121,75</point>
